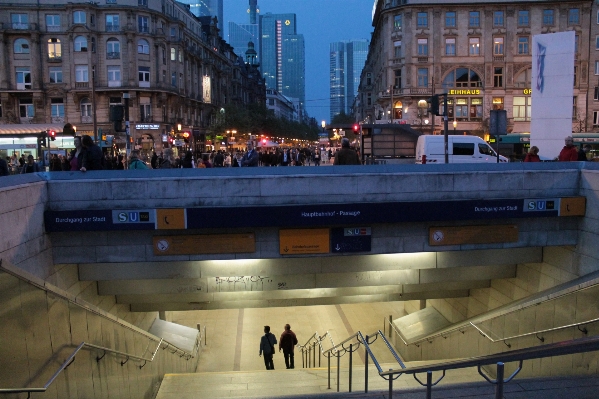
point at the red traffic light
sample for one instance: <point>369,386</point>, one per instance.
<point>356,127</point>
<point>52,135</point>
<point>186,135</point>
<point>263,141</point>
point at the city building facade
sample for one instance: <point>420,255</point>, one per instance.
<point>347,58</point>
<point>593,95</point>
<point>78,62</point>
<point>240,34</point>
<point>280,105</point>
<point>478,52</point>
<point>282,55</point>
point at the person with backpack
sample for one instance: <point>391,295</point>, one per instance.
<point>267,346</point>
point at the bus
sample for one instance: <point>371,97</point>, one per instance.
<point>515,145</point>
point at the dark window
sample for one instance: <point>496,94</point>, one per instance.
<point>463,148</point>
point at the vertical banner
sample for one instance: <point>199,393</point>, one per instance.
<point>207,90</point>
<point>552,91</point>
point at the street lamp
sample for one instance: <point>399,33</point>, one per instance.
<point>323,124</point>
<point>455,124</point>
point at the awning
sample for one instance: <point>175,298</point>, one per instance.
<point>29,128</point>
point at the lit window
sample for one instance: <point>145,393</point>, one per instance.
<point>54,49</point>
<point>521,108</point>
<point>474,45</point>
<point>498,46</point>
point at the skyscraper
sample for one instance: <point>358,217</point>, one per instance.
<point>203,8</point>
<point>241,34</point>
<point>282,55</point>
<point>347,59</point>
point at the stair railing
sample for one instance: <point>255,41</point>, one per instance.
<point>308,349</point>
<point>579,345</point>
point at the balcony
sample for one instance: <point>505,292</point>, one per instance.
<point>19,26</point>
<point>422,59</point>
<point>57,119</point>
<point>113,28</point>
<point>498,58</point>
<point>86,119</point>
<point>144,84</point>
<point>113,56</point>
<point>81,85</point>
<point>114,83</point>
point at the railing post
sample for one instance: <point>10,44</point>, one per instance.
<point>499,386</point>
<point>366,366</point>
<point>390,324</point>
<point>390,386</point>
<point>350,365</point>
<point>314,355</point>
<point>303,357</point>
<point>319,355</point>
<point>308,357</point>
<point>329,359</point>
<point>338,368</point>
<point>429,385</point>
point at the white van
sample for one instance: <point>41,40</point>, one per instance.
<point>430,149</point>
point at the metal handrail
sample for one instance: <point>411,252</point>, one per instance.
<point>308,341</point>
<point>579,345</point>
<point>396,331</point>
<point>334,348</point>
<point>71,359</point>
<point>582,323</point>
<point>584,283</point>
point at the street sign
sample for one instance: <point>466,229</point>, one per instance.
<point>304,241</point>
<point>351,239</point>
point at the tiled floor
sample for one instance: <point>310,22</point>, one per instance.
<point>233,336</point>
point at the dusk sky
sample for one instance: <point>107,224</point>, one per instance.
<point>321,22</point>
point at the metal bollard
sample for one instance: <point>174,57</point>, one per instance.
<point>390,386</point>
<point>350,365</point>
<point>499,386</point>
<point>429,384</point>
<point>329,357</point>
<point>366,367</point>
<point>338,368</point>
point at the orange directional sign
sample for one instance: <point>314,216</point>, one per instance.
<point>204,244</point>
<point>304,241</point>
<point>170,219</point>
<point>574,206</point>
<point>457,235</point>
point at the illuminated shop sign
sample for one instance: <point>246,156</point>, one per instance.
<point>464,92</point>
<point>527,91</point>
<point>147,126</point>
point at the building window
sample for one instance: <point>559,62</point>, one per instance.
<point>498,18</point>
<point>596,67</point>
<point>144,76</point>
<point>19,21</point>
<point>523,45</point>
<point>450,21</point>
<point>498,46</point>
<point>422,77</point>
<point>369,99</point>
<point>596,95</point>
<point>521,109</point>
<point>548,17</point>
<point>143,47</point>
<point>576,41</point>
<point>80,43</point>
<point>523,79</point>
<point>142,24</point>
<point>113,49</point>
<point>21,46</point>
<point>574,101</point>
<point>86,107</point>
<point>180,56</point>
<point>474,46</point>
<point>462,77</point>
<point>173,54</point>
<point>57,108</point>
<point>145,110</point>
<point>397,48</point>
<point>174,79</point>
<point>397,80</point>
<point>523,18</point>
<point>497,102</point>
<point>114,76</point>
<point>422,47</point>
<point>112,23</point>
<point>23,78</point>
<point>79,17</point>
<point>143,3</point>
<point>173,33</point>
<point>450,46</point>
<point>595,118</point>
<point>55,75</point>
<point>597,43</point>
<point>26,109</point>
<point>81,73</point>
<point>397,22</point>
<point>474,19</point>
<point>498,77</point>
<point>573,16</point>
<point>422,20</point>
<point>575,75</point>
<point>54,49</point>
<point>53,23</point>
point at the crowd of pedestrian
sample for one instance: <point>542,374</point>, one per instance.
<point>570,153</point>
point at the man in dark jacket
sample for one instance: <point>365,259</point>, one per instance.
<point>92,157</point>
<point>267,346</point>
<point>3,167</point>
<point>251,156</point>
<point>346,156</point>
<point>30,166</point>
<point>287,343</point>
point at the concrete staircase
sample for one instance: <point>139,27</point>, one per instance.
<point>313,384</point>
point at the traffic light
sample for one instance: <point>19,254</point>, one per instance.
<point>434,104</point>
<point>356,128</point>
<point>41,139</point>
<point>186,137</point>
<point>52,135</point>
<point>263,141</point>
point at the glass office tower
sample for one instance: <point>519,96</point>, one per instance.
<point>282,55</point>
<point>203,8</point>
<point>347,60</point>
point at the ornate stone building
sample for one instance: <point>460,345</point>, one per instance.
<point>76,61</point>
<point>477,51</point>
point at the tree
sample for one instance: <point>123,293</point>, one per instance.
<point>343,118</point>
